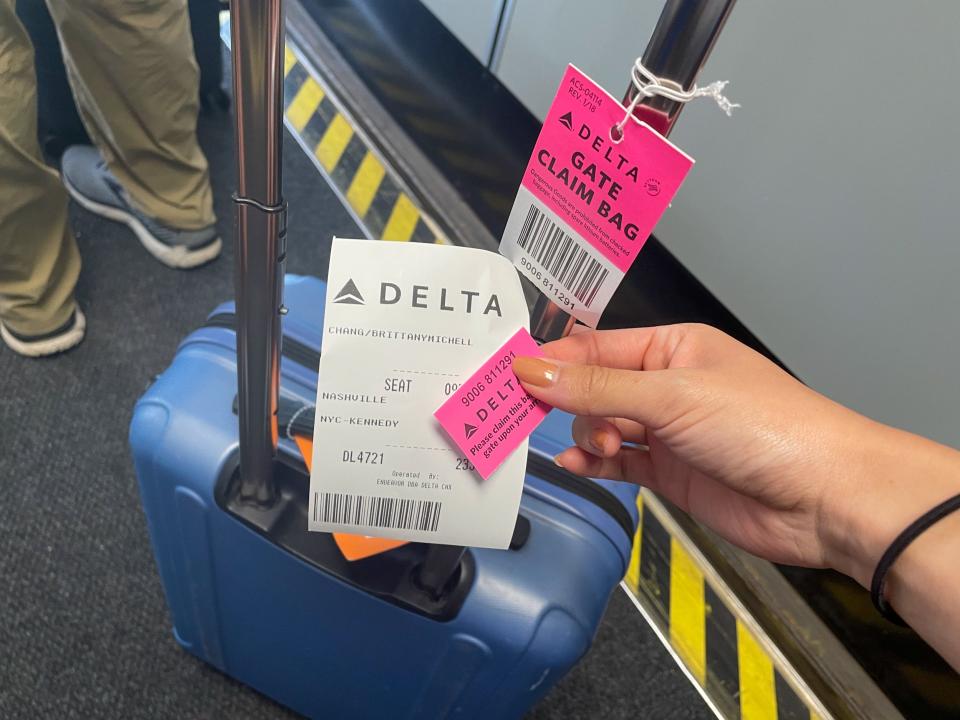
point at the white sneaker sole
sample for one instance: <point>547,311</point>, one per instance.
<point>50,346</point>
<point>175,256</point>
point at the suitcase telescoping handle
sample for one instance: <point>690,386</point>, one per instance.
<point>678,49</point>
<point>257,42</point>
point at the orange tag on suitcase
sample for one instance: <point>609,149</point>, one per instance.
<point>353,547</point>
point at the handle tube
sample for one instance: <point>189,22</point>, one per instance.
<point>438,568</point>
<point>257,42</point>
<point>678,49</point>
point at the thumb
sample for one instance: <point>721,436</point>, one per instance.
<point>597,391</point>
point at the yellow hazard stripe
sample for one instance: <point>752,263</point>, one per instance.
<point>333,143</point>
<point>758,697</point>
<point>688,633</point>
<point>736,671</point>
<point>304,103</point>
<point>402,221</point>
<point>385,208</point>
<point>289,60</point>
<point>633,568</point>
<point>365,183</point>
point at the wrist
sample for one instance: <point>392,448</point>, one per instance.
<point>890,478</point>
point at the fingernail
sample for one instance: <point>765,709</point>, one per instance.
<point>556,461</point>
<point>596,440</point>
<point>535,371</point>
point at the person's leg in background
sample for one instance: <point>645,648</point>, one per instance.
<point>39,261</point>
<point>132,69</point>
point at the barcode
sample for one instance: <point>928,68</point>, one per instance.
<point>561,256</point>
<point>378,512</point>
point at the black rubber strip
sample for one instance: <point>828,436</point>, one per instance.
<point>582,487</point>
<point>295,350</point>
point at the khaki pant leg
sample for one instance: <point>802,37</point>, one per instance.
<point>39,262</point>
<point>135,79</point>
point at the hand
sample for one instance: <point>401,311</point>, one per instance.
<point>722,432</point>
<point>763,460</point>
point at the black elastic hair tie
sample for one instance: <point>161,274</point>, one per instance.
<point>900,544</point>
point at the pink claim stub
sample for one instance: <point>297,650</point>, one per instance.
<point>491,414</point>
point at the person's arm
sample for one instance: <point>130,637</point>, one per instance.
<point>760,458</point>
<point>901,477</point>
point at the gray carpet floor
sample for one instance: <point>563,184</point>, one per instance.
<point>84,632</point>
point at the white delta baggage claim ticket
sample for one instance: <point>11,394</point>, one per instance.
<point>404,325</point>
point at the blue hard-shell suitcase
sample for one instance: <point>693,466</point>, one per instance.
<point>280,609</point>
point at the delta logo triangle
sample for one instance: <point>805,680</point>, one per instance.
<point>469,430</point>
<point>567,120</point>
<point>349,295</point>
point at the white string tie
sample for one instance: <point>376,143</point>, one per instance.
<point>300,411</point>
<point>647,85</point>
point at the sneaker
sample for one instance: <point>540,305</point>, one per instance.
<point>90,183</point>
<point>63,338</point>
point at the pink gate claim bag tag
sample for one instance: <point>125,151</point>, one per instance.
<point>588,202</point>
